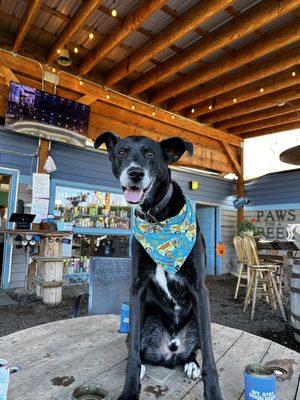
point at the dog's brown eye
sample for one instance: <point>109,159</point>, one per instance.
<point>149,153</point>
<point>122,152</point>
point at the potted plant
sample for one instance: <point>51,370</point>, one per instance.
<point>247,227</point>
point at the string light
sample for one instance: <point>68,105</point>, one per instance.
<point>133,107</point>
<point>153,113</point>
<point>53,70</point>
<point>192,110</point>
<point>114,12</point>
<point>108,96</point>
<point>80,82</point>
<point>173,116</point>
<point>294,73</point>
<point>91,35</point>
<point>261,90</point>
<point>58,51</point>
<point>210,107</point>
<point>234,100</point>
<point>76,50</point>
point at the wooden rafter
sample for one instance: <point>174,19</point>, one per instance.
<point>251,73</point>
<point>72,27</point>
<point>293,116</point>
<point>31,68</point>
<point>273,41</point>
<point>181,26</point>
<point>260,103</point>
<point>259,88</point>
<point>232,159</point>
<point>259,115</point>
<point>25,24</point>
<point>257,16</point>
<point>6,75</point>
<point>87,99</point>
<point>116,36</point>
<point>274,129</point>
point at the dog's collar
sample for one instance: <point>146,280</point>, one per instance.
<point>149,215</point>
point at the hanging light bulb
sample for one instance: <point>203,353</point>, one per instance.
<point>133,107</point>
<point>261,90</point>
<point>108,96</point>
<point>58,51</point>
<point>210,107</point>
<point>192,110</point>
<point>114,12</point>
<point>173,116</point>
<point>91,35</point>
<point>294,73</point>
<point>80,82</point>
<point>234,100</point>
<point>53,70</point>
<point>75,49</point>
<point>153,113</point>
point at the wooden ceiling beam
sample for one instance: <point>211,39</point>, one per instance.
<point>268,100</point>
<point>266,123</point>
<point>251,73</point>
<point>7,75</point>
<point>259,88</point>
<point>32,68</point>
<point>232,159</point>
<point>131,23</point>
<point>26,22</point>
<point>267,131</point>
<point>259,15</point>
<point>72,27</point>
<point>180,27</point>
<point>273,41</point>
<point>259,115</point>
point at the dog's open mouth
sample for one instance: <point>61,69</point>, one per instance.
<point>134,194</point>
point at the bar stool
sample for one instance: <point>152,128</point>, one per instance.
<point>243,270</point>
<point>261,279</point>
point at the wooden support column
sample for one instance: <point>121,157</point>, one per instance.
<point>43,154</point>
<point>240,190</point>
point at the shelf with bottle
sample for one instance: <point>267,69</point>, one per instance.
<point>76,265</point>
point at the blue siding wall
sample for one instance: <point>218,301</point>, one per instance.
<point>94,168</point>
<point>11,141</point>
<point>272,189</point>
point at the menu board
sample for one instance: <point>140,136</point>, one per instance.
<point>91,208</point>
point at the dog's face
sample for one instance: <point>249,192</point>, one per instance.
<point>141,163</point>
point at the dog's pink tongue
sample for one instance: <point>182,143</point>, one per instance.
<point>133,195</point>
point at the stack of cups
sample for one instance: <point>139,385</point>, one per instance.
<point>4,379</point>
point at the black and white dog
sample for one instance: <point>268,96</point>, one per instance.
<point>169,314</point>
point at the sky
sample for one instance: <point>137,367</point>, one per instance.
<point>261,154</point>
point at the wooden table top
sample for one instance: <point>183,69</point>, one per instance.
<point>89,349</point>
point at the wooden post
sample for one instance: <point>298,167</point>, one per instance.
<point>43,154</point>
<point>240,184</point>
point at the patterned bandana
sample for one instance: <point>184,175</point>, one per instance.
<point>170,242</point>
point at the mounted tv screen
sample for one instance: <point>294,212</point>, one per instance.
<point>42,114</point>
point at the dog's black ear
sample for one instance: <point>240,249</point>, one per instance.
<point>174,148</point>
<point>110,139</point>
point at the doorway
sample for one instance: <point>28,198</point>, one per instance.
<point>207,218</point>
<point>8,193</point>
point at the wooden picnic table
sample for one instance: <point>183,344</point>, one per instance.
<point>59,356</point>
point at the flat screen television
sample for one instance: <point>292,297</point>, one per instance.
<point>43,114</point>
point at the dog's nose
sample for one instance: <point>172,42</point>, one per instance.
<point>136,174</point>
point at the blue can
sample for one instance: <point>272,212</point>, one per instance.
<point>260,382</point>
<point>124,320</point>
<point>4,379</point>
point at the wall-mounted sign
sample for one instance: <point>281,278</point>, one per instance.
<point>273,223</point>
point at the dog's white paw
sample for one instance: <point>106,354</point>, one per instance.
<point>192,370</point>
<point>143,371</point>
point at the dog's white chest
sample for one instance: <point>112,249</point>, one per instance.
<point>161,279</point>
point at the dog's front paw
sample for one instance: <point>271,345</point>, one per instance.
<point>125,396</point>
<point>192,370</point>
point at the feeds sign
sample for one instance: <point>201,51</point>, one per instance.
<point>272,224</point>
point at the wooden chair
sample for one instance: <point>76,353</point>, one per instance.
<point>261,279</point>
<point>243,270</point>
